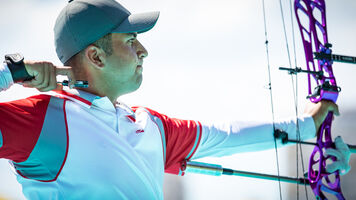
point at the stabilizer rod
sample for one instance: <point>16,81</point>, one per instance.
<point>335,57</point>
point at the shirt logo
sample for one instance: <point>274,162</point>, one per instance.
<point>139,131</point>
<point>131,118</point>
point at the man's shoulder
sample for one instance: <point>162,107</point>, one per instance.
<point>31,102</point>
<point>27,102</point>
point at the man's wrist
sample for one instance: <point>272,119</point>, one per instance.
<point>6,80</point>
<point>17,67</point>
<point>307,127</point>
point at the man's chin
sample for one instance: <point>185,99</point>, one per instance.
<point>139,81</point>
<point>136,86</point>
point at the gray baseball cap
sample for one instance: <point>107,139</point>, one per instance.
<point>83,22</point>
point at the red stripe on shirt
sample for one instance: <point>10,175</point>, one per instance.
<point>180,139</point>
<point>74,96</point>
<point>21,124</point>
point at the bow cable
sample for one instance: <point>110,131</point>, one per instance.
<point>295,91</point>
<point>271,98</point>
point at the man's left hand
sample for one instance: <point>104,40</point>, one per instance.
<point>320,110</point>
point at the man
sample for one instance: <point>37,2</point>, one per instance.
<point>83,143</point>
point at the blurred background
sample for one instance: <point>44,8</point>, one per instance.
<point>207,62</point>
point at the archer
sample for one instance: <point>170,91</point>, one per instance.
<point>85,144</point>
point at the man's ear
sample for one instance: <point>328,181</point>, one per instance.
<point>95,56</point>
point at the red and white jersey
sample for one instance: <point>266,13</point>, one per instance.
<point>75,145</point>
<point>82,147</point>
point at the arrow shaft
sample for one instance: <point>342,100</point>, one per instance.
<point>351,147</point>
<point>218,170</point>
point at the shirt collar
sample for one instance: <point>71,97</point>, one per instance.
<point>83,98</point>
<point>88,100</point>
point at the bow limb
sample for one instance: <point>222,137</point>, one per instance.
<point>314,37</point>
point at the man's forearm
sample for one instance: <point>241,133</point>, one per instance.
<point>237,137</point>
<point>5,77</point>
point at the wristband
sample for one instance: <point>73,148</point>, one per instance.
<point>17,67</point>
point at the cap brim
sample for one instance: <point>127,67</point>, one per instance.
<point>139,23</point>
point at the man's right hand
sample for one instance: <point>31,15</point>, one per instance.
<point>45,75</point>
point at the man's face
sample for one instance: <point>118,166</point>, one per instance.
<point>124,67</point>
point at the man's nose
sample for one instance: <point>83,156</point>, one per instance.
<point>141,51</point>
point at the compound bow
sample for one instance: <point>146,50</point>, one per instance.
<point>315,42</point>
<point>320,74</point>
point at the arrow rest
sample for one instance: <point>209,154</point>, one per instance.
<point>279,134</point>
